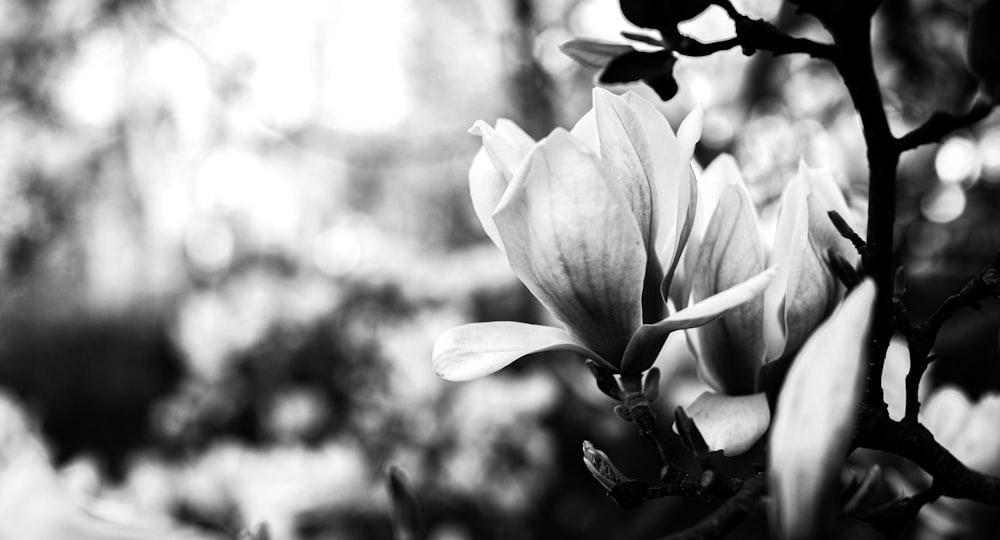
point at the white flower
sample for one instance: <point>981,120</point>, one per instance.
<point>593,222</point>
<point>725,249</point>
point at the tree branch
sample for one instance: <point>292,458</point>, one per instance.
<point>941,124</point>
<point>754,35</point>
<point>915,442</point>
<point>729,514</point>
<point>854,61</point>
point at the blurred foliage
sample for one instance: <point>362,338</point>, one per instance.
<point>230,232</point>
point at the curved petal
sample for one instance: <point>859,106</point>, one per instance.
<point>825,195</point>
<point>626,151</point>
<point>689,133</point>
<point>815,415</point>
<point>585,130</point>
<point>666,170</point>
<point>649,338</point>
<point>791,244</point>
<point>504,149</point>
<point>722,172</point>
<point>572,239</point>
<point>474,350</point>
<point>506,145</point>
<point>627,157</point>
<point>670,251</point>
<point>486,185</point>
<point>731,424</point>
<point>730,349</point>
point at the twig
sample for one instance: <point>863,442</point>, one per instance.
<point>729,514</point>
<point>941,124</point>
<point>921,338</point>
<point>754,35</point>
<point>913,441</point>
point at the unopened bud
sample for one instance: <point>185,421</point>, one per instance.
<point>601,467</point>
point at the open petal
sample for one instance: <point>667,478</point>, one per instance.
<point>573,240</point>
<point>730,349</point>
<point>731,424</point>
<point>474,350</point>
<point>815,416</point>
<point>649,338</point>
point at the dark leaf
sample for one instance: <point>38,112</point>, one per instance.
<point>593,54</point>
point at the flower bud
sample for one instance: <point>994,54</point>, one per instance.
<point>601,467</point>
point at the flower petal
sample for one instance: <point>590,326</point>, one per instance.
<point>815,415</point>
<point>504,148</point>
<point>730,349</point>
<point>474,350</point>
<point>572,239</point>
<point>649,338</point>
<point>722,172</point>
<point>731,424</point>
<point>626,154</point>
<point>791,251</point>
<point>506,145</point>
<point>825,195</point>
<point>672,247</point>
<point>486,185</point>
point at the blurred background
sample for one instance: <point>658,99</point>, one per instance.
<point>230,232</point>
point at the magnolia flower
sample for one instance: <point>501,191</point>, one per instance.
<point>593,222</point>
<point>815,416</point>
<point>725,249</point>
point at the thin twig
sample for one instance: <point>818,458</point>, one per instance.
<point>729,514</point>
<point>913,441</point>
<point>940,124</point>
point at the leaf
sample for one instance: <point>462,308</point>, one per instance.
<point>593,53</point>
<point>638,65</point>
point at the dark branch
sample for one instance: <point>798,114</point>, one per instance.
<point>921,338</point>
<point>913,441</point>
<point>729,514</point>
<point>754,35</point>
<point>941,124</point>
